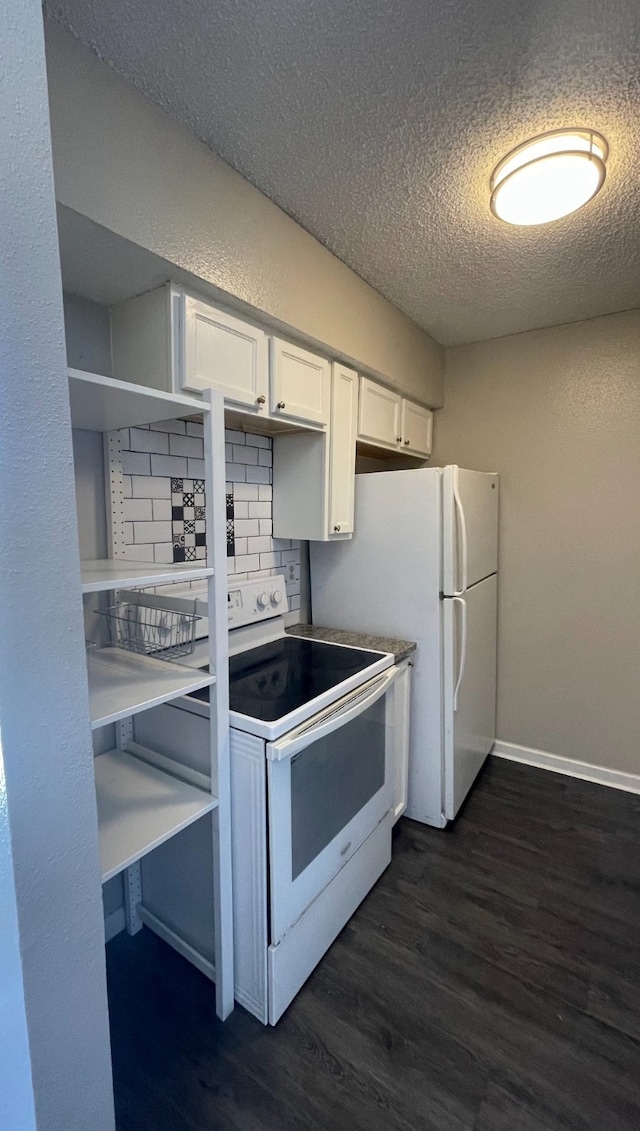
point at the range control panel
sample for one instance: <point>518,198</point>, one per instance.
<point>251,601</point>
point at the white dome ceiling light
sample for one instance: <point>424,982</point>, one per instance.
<point>549,176</point>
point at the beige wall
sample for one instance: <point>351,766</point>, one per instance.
<point>557,413</point>
<point>121,161</point>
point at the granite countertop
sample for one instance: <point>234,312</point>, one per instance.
<point>400,648</point>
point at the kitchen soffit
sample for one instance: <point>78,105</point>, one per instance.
<point>376,126</point>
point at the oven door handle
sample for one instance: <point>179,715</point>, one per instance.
<point>334,717</point>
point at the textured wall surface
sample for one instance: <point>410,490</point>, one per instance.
<point>557,413</point>
<point>120,161</point>
<point>377,126</point>
<point>44,723</point>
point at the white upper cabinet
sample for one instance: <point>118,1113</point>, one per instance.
<point>342,449</point>
<point>387,420</point>
<point>222,352</point>
<point>379,414</point>
<point>300,384</point>
<point>416,429</point>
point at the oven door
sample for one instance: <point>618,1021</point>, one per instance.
<point>330,783</point>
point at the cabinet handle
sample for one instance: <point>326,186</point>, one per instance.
<point>398,439</point>
<point>337,529</point>
<point>280,404</point>
<point>406,443</point>
<point>260,400</point>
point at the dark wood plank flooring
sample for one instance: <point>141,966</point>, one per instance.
<point>489,982</point>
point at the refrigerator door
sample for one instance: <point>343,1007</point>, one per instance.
<point>469,687</point>
<point>469,528</point>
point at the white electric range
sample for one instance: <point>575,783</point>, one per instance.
<point>312,749</point>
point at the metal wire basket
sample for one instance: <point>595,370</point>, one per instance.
<point>162,633</point>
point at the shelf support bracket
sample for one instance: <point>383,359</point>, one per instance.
<point>133,898</point>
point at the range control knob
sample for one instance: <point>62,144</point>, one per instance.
<point>263,600</point>
<point>276,597</point>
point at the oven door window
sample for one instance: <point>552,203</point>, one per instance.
<point>332,780</point>
<point>324,801</point>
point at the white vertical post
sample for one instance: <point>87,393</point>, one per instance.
<point>219,699</point>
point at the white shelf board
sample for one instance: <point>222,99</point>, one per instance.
<point>101,404</point>
<point>139,807</point>
<point>109,573</point>
<point>123,683</point>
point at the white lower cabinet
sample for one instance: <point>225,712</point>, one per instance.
<point>314,473</point>
<point>387,420</point>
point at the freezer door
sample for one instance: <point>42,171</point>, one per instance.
<point>469,528</point>
<point>469,688</point>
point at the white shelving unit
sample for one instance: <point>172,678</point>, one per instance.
<point>145,800</point>
<point>123,683</point>
<point>139,807</point>
<point>101,575</point>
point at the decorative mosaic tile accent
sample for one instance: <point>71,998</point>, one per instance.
<point>231,545</point>
<point>189,542</point>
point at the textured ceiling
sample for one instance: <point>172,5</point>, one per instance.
<point>377,124</point>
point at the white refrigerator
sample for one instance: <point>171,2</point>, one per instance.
<point>423,565</point>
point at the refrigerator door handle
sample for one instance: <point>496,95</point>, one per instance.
<point>463,534</point>
<point>463,649</point>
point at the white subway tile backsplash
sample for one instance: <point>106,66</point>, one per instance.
<point>169,465</point>
<point>258,475</point>
<point>178,427</point>
<point>247,563</point>
<point>139,553</point>
<point>127,528</point>
<point>163,553</point>
<point>151,487</point>
<point>245,492</point>
<point>259,545</point>
<point>236,472</point>
<point>186,446</point>
<point>247,527</point>
<point>173,450</point>
<point>152,531</point>
<point>136,463</point>
<point>244,454</point>
<point>136,509</point>
<point>259,441</point>
<point>142,440</point>
<point>161,510</point>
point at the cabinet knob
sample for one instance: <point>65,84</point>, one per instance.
<point>337,529</point>
<point>398,439</point>
<point>406,443</point>
<point>260,400</point>
<point>280,404</point>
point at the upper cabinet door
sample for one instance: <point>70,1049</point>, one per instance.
<point>379,415</point>
<point>300,384</point>
<point>223,352</point>
<point>417,429</point>
<point>342,450</point>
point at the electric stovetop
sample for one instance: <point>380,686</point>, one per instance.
<point>274,679</point>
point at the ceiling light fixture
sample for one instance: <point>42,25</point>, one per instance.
<point>549,176</point>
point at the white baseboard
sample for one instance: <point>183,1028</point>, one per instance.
<point>114,923</point>
<point>602,775</point>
